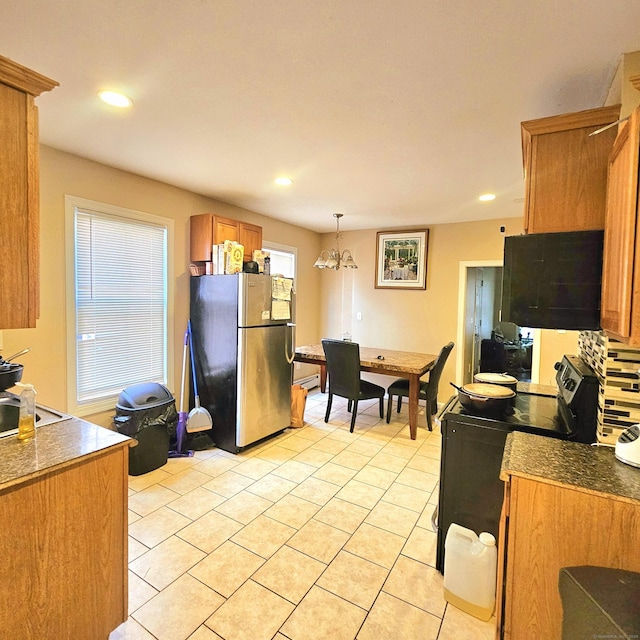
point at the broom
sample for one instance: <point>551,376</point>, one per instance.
<point>181,428</point>
<point>199,418</point>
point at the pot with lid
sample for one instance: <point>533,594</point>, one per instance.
<point>485,399</point>
<point>502,379</point>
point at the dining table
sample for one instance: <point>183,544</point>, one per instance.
<point>390,362</point>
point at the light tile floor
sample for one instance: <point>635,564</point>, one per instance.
<point>317,533</point>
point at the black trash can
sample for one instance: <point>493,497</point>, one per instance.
<point>147,413</point>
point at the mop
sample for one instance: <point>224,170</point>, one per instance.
<point>182,414</point>
<point>199,418</point>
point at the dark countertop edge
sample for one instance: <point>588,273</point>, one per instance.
<point>573,465</point>
<point>56,446</point>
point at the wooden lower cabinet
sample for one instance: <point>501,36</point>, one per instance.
<point>546,527</point>
<point>64,542</point>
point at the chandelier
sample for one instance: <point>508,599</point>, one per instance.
<point>333,259</point>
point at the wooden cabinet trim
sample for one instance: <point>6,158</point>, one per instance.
<point>565,122</point>
<point>26,80</point>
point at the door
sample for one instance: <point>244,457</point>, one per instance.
<point>477,320</point>
<point>264,383</point>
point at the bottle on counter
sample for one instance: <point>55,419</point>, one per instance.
<point>267,266</point>
<point>27,421</point>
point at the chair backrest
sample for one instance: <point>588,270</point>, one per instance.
<point>436,371</point>
<point>343,367</point>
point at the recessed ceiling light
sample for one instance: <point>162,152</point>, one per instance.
<point>486,197</point>
<point>283,182</point>
<point>115,99</point>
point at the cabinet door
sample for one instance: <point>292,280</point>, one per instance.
<point>225,229</point>
<point>551,527</point>
<point>200,237</point>
<point>207,229</point>
<point>620,233</point>
<point>566,170</point>
<point>250,239</point>
<point>19,194</point>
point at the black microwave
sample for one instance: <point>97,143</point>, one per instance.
<point>553,280</point>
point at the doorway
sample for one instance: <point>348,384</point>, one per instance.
<point>488,344</point>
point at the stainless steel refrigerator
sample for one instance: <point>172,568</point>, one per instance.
<point>243,342</point>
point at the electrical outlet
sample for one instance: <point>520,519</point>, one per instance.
<point>359,315</point>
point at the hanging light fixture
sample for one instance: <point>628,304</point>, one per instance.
<point>333,259</point>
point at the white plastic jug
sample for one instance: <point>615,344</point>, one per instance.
<point>470,566</point>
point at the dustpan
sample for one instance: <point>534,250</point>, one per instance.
<point>199,418</point>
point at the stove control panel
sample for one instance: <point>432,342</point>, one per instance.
<point>578,389</point>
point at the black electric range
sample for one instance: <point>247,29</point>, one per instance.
<point>471,491</point>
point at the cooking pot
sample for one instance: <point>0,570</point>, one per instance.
<point>503,379</point>
<point>485,399</point>
<point>9,375</point>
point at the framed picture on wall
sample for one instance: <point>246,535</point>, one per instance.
<point>401,259</point>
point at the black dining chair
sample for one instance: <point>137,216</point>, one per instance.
<point>343,367</point>
<point>428,388</point>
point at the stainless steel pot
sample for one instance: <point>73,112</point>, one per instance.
<point>484,399</point>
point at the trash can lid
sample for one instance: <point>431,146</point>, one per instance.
<point>144,396</point>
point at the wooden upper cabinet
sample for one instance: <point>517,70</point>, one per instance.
<point>565,170</point>
<point>19,194</point>
<point>250,239</point>
<point>207,229</point>
<point>619,311</point>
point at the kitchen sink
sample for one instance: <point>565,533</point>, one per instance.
<point>10,413</point>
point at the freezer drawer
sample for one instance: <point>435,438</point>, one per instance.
<point>263,384</point>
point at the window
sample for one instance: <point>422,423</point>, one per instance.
<point>117,283</point>
<point>283,259</point>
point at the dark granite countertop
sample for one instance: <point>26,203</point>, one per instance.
<point>578,466</point>
<point>55,446</point>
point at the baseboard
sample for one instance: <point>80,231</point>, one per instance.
<point>310,382</point>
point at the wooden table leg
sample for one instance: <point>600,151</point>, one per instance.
<point>414,391</point>
<point>323,378</point>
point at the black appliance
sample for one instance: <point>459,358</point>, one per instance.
<point>471,491</point>
<point>553,280</point>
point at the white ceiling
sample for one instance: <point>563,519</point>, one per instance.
<point>393,113</point>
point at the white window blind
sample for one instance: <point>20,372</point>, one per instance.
<point>120,303</point>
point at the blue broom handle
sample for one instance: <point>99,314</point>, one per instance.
<point>193,362</point>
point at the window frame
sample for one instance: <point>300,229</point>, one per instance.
<point>71,204</point>
<point>284,248</point>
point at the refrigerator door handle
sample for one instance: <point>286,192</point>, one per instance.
<point>291,326</point>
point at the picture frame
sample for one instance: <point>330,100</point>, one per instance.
<point>401,259</point>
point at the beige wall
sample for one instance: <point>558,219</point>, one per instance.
<point>328,301</point>
<point>61,174</point>
<point>420,321</point>
<point>408,320</point>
